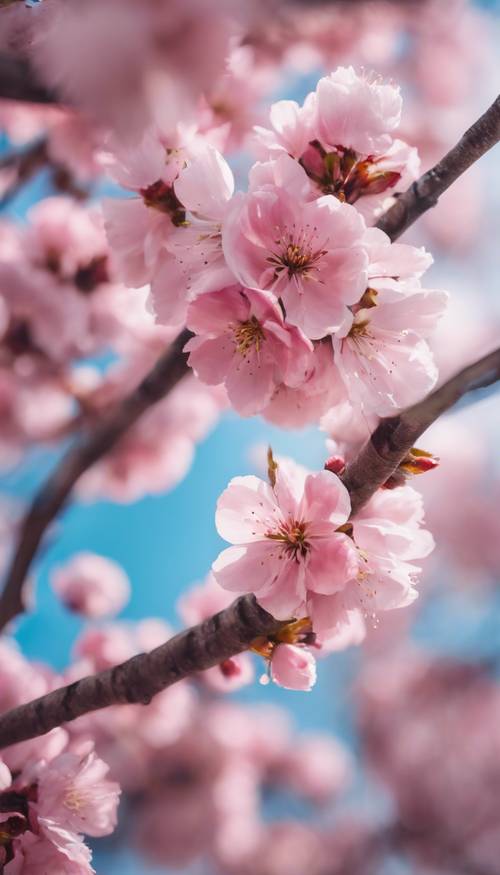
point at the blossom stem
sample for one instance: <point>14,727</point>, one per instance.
<point>425,192</point>
<point>233,630</point>
<point>396,435</point>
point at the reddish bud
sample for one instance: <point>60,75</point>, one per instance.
<point>335,464</point>
<point>230,668</point>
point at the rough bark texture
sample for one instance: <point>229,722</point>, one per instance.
<point>142,677</point>
<point>169,369</point>
<point>233,630</point>
<point>394,436</point>
<point>426,191</point>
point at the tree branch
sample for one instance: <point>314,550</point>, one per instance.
<point>19,82</point>
<point>396,435</point>
<point>142,677</point>
<point>232,631</point>
<point>168,370</point>
<point>426,191</point>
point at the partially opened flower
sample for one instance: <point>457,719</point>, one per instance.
<point>293,667</point>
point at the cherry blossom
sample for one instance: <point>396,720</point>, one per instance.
<point>242,340</point>
<point>293,667</point>
<point>92,585</point>
<point>308,254</point>
<point>286,539</point>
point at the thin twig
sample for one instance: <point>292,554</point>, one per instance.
<point>230,632</point>
<point>167,372</point>
<point>426,191</point>
<point>396,435</point>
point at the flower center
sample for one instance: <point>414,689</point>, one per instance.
<point>73,800</point>
<point>162,197</point>
<point>359,328</point>
<point>295,256</point>
<point>293,535</point>
<point>249,334</point>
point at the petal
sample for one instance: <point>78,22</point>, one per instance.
<point>246,510</point>
<point>206,185</point>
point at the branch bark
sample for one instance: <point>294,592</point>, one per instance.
<point>396,435</point>
<point>142,677</point>
<point>233,630</point>
<point>426,191</point>
<point>19,82</point>
<point>168,370</point>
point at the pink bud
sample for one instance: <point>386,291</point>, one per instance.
<point>293,668</point>
<point>335,464</point>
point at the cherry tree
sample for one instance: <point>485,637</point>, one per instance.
<point>199,246</point>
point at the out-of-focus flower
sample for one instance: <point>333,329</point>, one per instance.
<point>92,585</point>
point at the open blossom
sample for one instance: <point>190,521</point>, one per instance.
<point>286,539</point>
<point>310,255</point>
<point>389,536</point>
<point>49,804</point>
<point>92,585</point>
<point>343,138</point>
<point>73,791</point>
<point>49,273</point>
<point>292,550</point>
<point>383,359</point>
<point>243,341</point>
<point>293,667</point>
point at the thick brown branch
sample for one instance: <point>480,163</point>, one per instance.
<point>19,82</point>
<point>142,677</point>
<point>394,437</point>
<point>233,630</point>
<point>167,372</point>
<point>426,191</point>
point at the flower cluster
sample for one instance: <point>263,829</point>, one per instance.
<point>297,549</point>
<point>58,795</point>
<point>295,303</point>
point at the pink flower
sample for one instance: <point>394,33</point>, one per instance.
<point>243,341</point>
<point>152,67</point>
<point>291,128</point>
<point>92,585</point>
<point>356,112</point>
<point>316,767</point>
<point>37,855</point>
<point>383,359</point>
<point>203,191</point>
<point>73,792</point>
<point>293,668</point>
<point>296,407</point>
<point>310,255</point>
<point>388,535</point>
<point>138,227</point>
<point>286,539</point>
<point>342,138</point>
